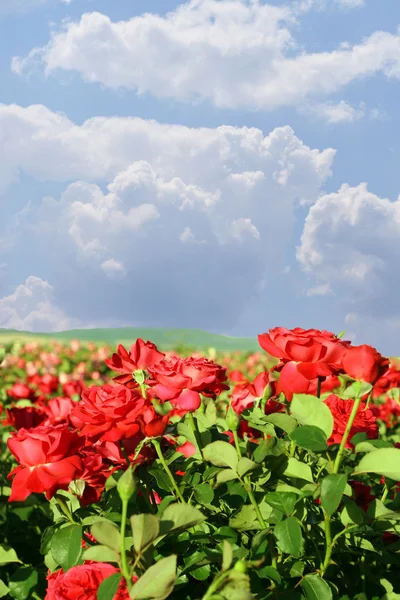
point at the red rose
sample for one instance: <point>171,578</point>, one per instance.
<point>388,412</point>
<point>112,450</point>
<point>245,394</point>
<point>388,381</point>
<point>236,376</point>
<point>73,388</point>
<point>364,422</point>
<point>26,417</point>
<point>82,582</point>
<point>182,380</point>
<point>58,410</point>
<point>305,355</point>
<point>21,391</point>
<point>108,412</point>
<point>94,474</point>
<point>142,355</point>
<point>362,493</point>
<point>364,363</point>
<point>48,458</point>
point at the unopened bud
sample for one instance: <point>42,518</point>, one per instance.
<point>138,376</point>
<point>126,485</point>
<point>266,395</point>
<point>232,420</point>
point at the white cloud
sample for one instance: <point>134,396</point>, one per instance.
<point>30,308</point>
<point>185,212</point>
<point>113,267</point>
<point>342,112</point>
<point>350,244</point>
<point>234,53</point>
<point>320,290</point>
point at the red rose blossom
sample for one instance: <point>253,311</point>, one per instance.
<point>182,380</point>
<point>364,422</point>
<point>20,391</point>
<point>82,583</point>
<point>25,417</point>
<point>48,458</point>
<point>142,355</point>
<point>245,394</point>
<point>108,412</point>
<point>305,355</point>
<point>364,363</point>
<point>388,381</point>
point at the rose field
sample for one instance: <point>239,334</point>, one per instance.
<point>131,472</point>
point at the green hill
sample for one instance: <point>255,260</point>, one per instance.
<point>164,338</point>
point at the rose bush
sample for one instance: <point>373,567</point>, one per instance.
<point>152,475</point>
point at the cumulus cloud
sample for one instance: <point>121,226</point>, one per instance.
<point>350,244</point>
<point>234,53</point>
<point>159,221</point>
<point>31,308</point>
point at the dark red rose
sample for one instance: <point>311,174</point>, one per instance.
<point>182,380</point>
<point>245,394</point>
<point>362,493</point>
<point>82,583</point>
<point>388,381</point>
<point>94,473</point>
<point>112,451</point>
<point>364,422</point>
<point>305,355</point>
<point>108,412</point>
<point>364,363</point>
<point>26,417</point>
<point>48,458</point>
<point>142,355</point>
<point>21,391</point>
<point>388,412</point>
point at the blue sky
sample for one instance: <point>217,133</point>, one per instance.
<point>230,165</point>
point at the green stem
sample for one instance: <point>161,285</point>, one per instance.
<point>196,434</point>
<point>124,452</point>
<point>349,425</point>
<point>237,445</point>
<point>156,444</point>
<point>385,493</point>
<point>292,448</point>
<point>124,562</point>
<point>247,485</point>
<point>218,581</point>
<point>328,544</point>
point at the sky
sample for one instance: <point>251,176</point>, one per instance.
<point>230,165</point>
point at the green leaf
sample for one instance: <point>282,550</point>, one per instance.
<point>332,488</point>
<point>227,555</point>
<point>310,438</point>
<point>295,468</point>
<point>106,533</point>
<point>7,555</point>
<point>269,573</point>
<point>357,389</point>
<point>284,422</point>
<point>157,582</point>
<point>108,587</point>
<point>100,554</point>
<point>66,546</point>
<point>4,590</point>
<point>145,529</point>
<point>226,475</point>
<point>310,410</point>
<point>204,493</point>
<point>352,514</point>
<point>22,582</point>
<point>245,519</point>
<point>385,461</point>
<point>221,454</point>
<point>289,537</point>
<point>316,588</point>
<point>180,516</point>
<point>245,465</point>
<point>283,501</point>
